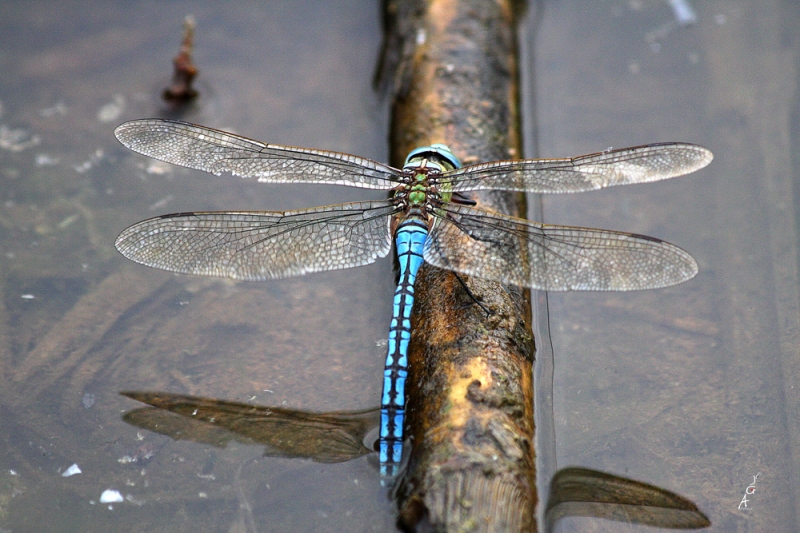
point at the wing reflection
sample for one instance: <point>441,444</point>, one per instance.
<point>584,492</point>
<point>340,436</point>
<point>332,437</point>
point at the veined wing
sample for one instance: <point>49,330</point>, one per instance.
<point>554,258</point>
<point>262,245</point>
<point>216,152</point>
<point>640,164</point>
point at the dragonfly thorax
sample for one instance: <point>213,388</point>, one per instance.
<point>422,168</point>
<point>419,193</point>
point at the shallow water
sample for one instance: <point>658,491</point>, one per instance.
<point>80,323</point>
<point>690,388</point>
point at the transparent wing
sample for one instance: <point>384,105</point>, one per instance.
<point>640,164</point>
<point>216,152</point>
<point>262,245</point>
<point>554,258</point>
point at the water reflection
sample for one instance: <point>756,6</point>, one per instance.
<point>590,493</point>
<point>331,437</point>
<point>343,436</point>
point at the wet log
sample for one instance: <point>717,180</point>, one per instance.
<point>470,390</point>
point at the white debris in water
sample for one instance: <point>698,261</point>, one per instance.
<point>133,500</point>
<point>67,222</point>
<point>16,140</point>
<point>112,110</point>
<point>46,160</point>
<point>111,496</point>
<point>88,400</point>
<point>71,471</point>
<point>157,168</point>
<point>60,108</point>
<point>159,204</point>
<point>684,14</point>
<point>27,296</point>
<point>89,163</point>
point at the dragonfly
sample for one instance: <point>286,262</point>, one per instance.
<point>428,216</point>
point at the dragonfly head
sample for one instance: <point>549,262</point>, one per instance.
<point>435,154</point>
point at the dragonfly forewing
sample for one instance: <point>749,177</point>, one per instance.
<point>640,164</point>
<point>216,151</point>
<point>262,245</point>
<point>554,258</point>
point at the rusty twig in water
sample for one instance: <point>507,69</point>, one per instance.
<point>180,90</point>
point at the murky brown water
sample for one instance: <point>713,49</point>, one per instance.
<point>80,323</point>
<point>690,388</point>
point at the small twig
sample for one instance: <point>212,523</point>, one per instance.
<point>180,90</point>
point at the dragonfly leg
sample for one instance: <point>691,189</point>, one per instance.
<point>461,198</point>
<point>485,309</point>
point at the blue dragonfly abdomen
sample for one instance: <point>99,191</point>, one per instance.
<point>409,243</point>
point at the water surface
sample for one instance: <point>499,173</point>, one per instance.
<point>690,388</point>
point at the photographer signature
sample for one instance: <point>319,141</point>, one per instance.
<point>751,489</point>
